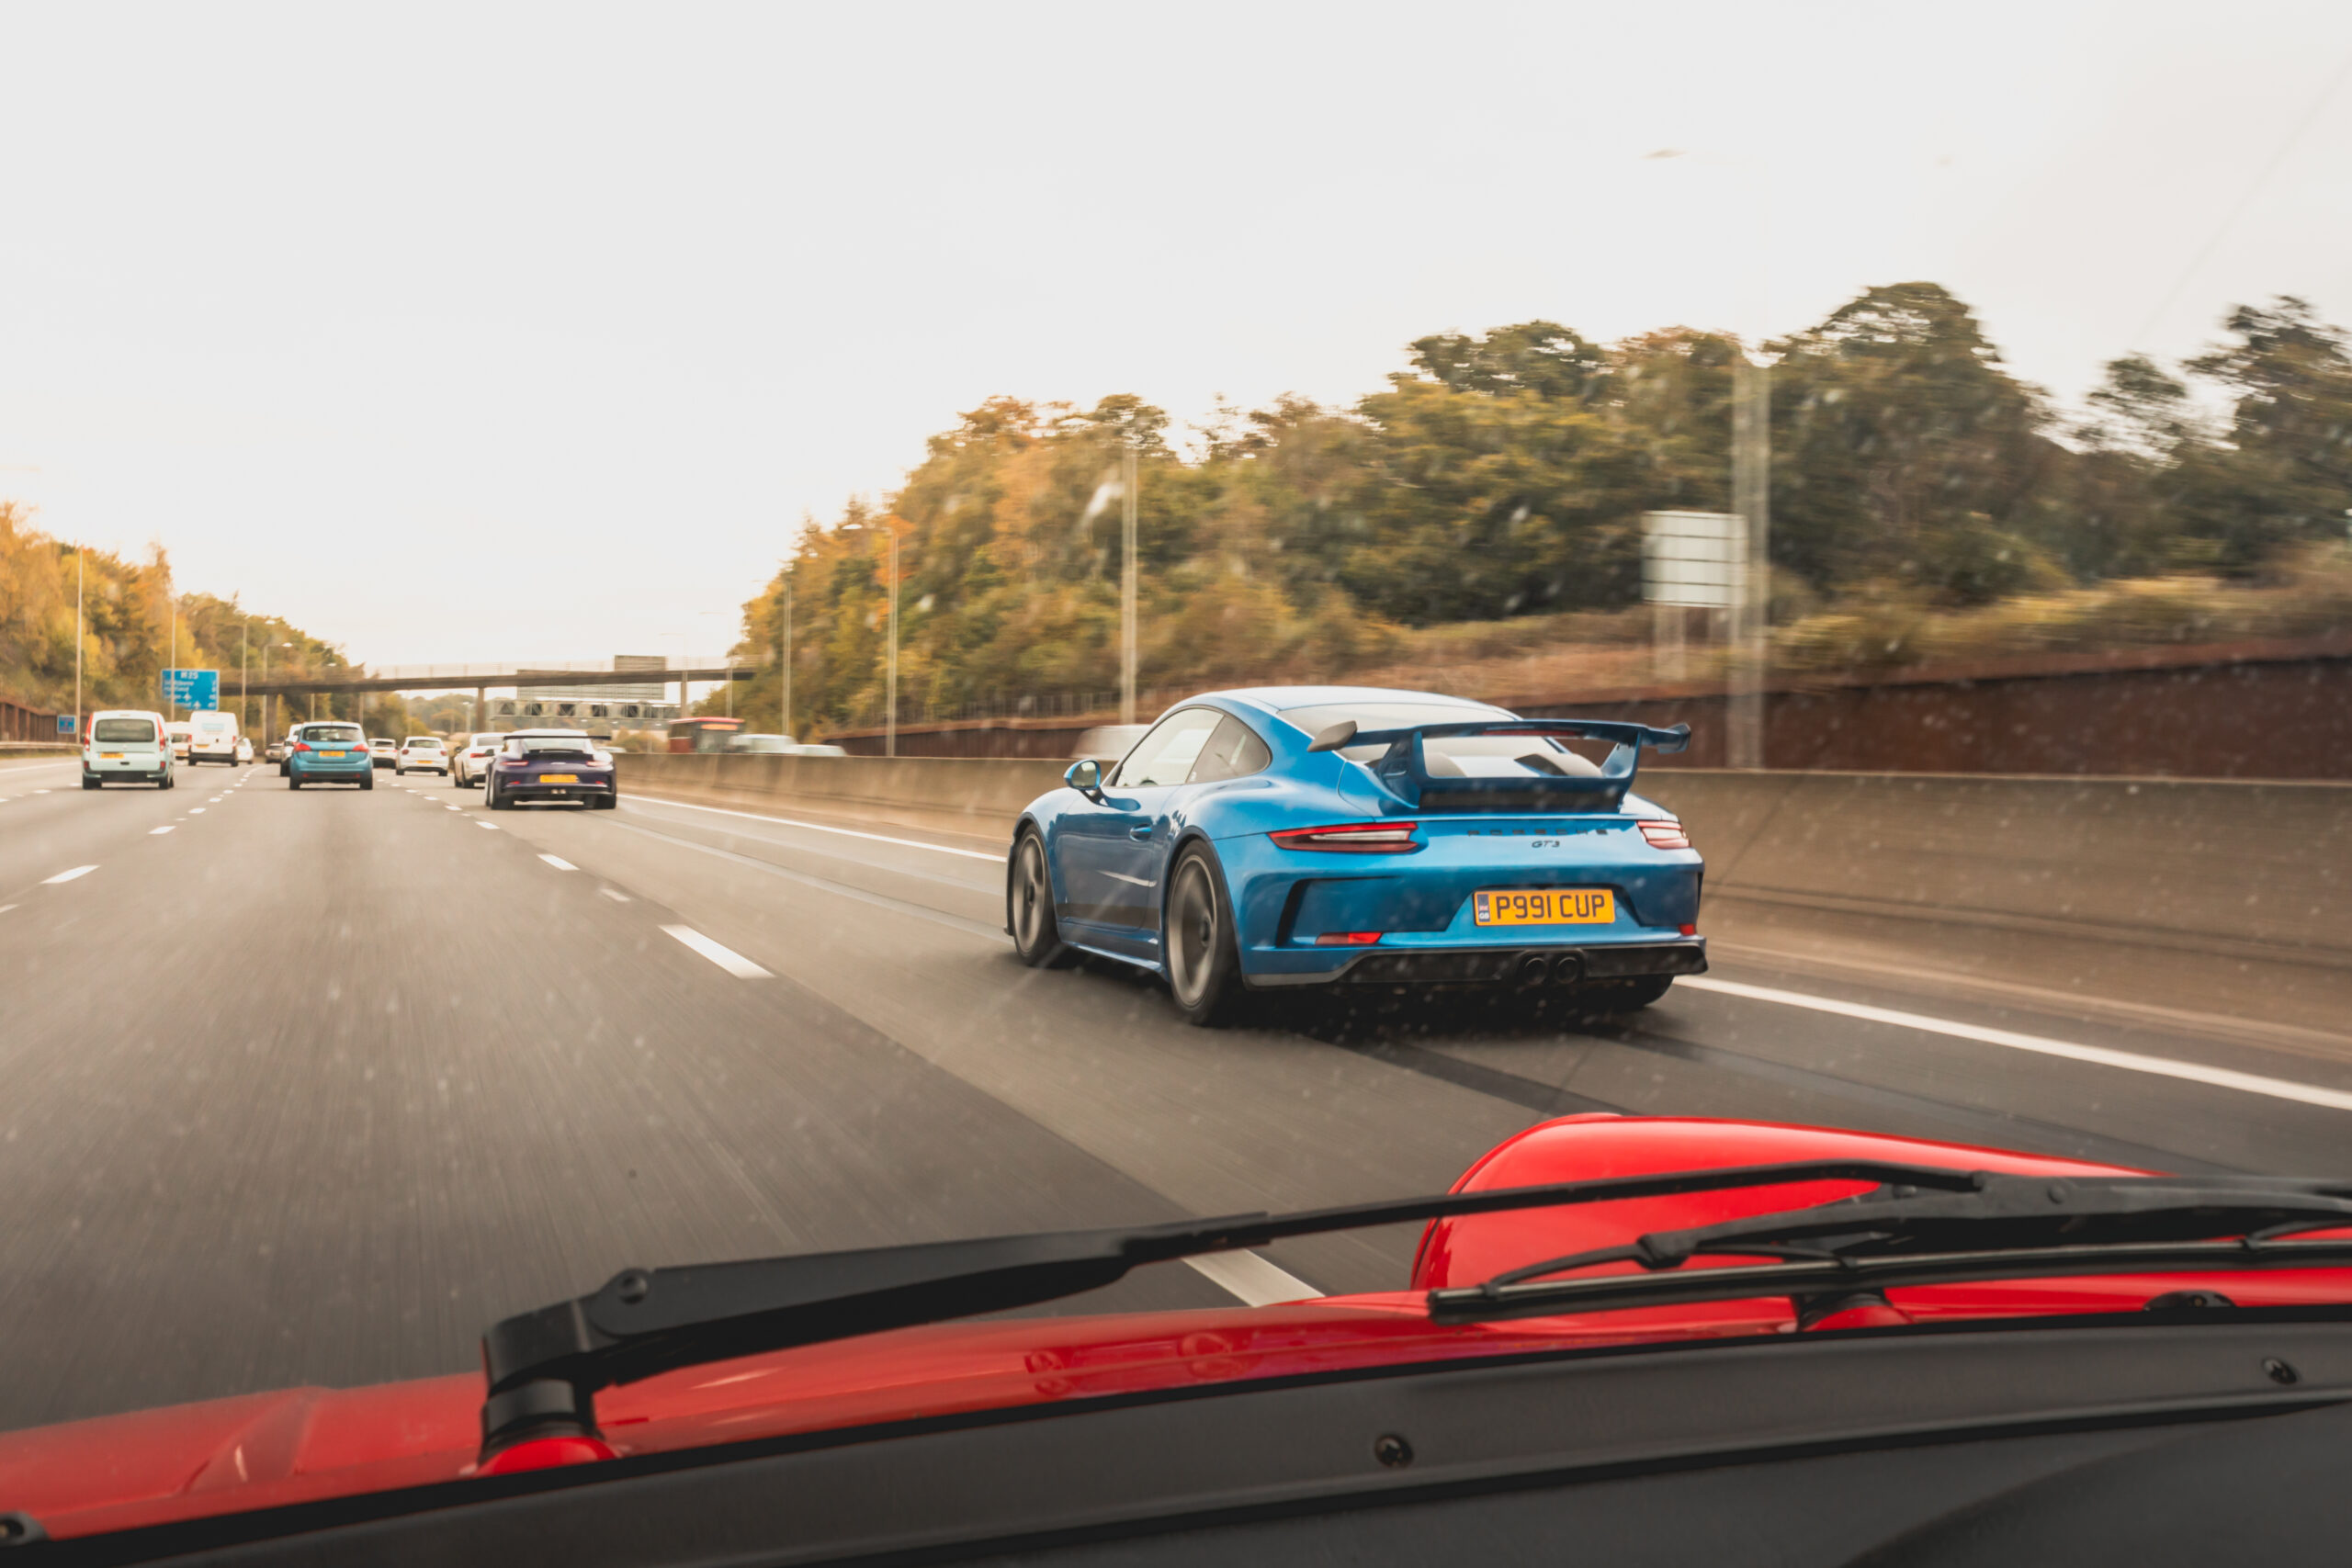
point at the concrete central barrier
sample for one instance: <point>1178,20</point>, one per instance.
<point>2256,869</point>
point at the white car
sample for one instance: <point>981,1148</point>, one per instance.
<point>212,738</point>
<point>383,748</point>
<point>245,749</point>
<point>181,734</point>
<point>472,765</point>
<point>126,746</point>
<point>421,754</point>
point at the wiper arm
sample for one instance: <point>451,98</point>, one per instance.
<point>1897,1235</point>
<point>546,1366</point>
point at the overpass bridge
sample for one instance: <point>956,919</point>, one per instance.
<point>479,678</point>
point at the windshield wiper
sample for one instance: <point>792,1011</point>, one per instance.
<point>2003,1226</point>
<point>546,1366</point>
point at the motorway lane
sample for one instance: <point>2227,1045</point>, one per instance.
<point>319,1085</point>
<point>315,1085</point>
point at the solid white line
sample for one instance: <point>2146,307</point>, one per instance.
<point>1249,1276</point>
<point>165,829</point>
<point>821,827</point>
<point>559,862</point>
<point>2129,1061</point>
<point>727,958</point>
<point>68,876</point>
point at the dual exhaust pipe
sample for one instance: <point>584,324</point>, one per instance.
<point>1534,969</point>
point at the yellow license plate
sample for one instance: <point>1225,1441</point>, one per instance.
<point>334,753</point>
<point>1543,907</point>
<point>109,756</point>
<point>558,778</point>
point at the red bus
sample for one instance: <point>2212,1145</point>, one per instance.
<point>702,734</point>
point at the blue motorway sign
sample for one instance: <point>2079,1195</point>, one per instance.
<point>192,688</point>
<point>65,723</point>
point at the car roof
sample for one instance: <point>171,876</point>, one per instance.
<point>126,713</point>
<point>512,733</point>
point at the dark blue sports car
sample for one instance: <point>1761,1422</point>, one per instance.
<point>1293,836</point>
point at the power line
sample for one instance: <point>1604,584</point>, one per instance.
<point>2245,198</point>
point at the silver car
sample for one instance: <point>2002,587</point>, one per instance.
<point>471,764</point>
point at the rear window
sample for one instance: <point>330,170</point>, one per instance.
<point>116,731</point>
<point>213,726</point>
<point>556,745</point>
<point>425,743</point>
<point>331,735</point>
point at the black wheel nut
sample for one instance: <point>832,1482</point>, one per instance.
<point>2278,1370</point>
<point>1392,1450</point>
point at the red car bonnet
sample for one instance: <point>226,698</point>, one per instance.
<point>264,1451</point>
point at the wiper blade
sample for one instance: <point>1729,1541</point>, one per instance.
<point>546,1366</point>
<point>2003,1226</point>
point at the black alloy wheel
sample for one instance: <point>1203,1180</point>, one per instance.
<point>1204,966</point>
<point>1029,908</point>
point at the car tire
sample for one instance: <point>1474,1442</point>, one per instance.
<point>367,780</point>
<point>491,799</point>
<point>293,782</point>
<point>168,781</point>
<point>1029,907</point>
<point>602,802</point>
<point>92,781</point>
<point>1204,963</point>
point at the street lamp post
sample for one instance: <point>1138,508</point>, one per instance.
<point>1752,456</point>
<point>77,645</point>
<point>1127,585</point>
<point>784,652</point>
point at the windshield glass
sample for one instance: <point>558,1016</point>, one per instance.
<point>1924,432</point>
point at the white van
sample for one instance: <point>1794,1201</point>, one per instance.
<point>213,737</point>
<point>128,746</point>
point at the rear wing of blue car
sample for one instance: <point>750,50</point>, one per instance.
<point>1405,768</point>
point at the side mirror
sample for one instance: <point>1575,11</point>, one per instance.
<point>1086,777</point>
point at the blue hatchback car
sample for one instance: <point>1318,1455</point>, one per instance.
<point>327,753</point>
<point>1275,837</point>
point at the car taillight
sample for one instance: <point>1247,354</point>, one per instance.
<point>1347,939</point>
<point>1664,835</point>
<point>1353,838</point>
<point>300,746</point>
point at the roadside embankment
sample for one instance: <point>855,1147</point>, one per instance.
<point>2229,901</point>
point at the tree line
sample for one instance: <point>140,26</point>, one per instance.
<point>1504,476</point>
<point>130,619</point>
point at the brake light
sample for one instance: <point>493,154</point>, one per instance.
<point>1353,838</point>
<point>1347,939</point>
<point>1663,835</point>
<point>300,746</point>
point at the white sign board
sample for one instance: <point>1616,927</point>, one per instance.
<point>1694,558</point>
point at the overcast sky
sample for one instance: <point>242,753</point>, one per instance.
<point>500,332</point>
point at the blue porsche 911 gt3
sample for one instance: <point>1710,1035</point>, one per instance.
<point>1293,836</point>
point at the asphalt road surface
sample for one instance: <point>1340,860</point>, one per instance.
<point>310,1088</point>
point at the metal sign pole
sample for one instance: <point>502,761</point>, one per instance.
<point>1751,453</point>
<point>1127,586</point>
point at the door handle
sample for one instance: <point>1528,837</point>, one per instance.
<point>1140,835</point>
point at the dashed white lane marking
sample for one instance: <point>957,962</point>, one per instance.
<point>616,895</point>
<point>196,811</point>
<point>492,826</point>
<point>38,792</point>
<point>165,829</point>
<point>1249,1276</point>
<point>2099,1055</point>
<point>559,862</point>
<point>821,827</point>
<point>727,958</point>
<point>69,875</point>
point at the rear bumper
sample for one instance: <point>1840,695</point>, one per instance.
<point>145,770</point>
<point>346,773</point>
<point>1552,962</point>
<point>586,789</point>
